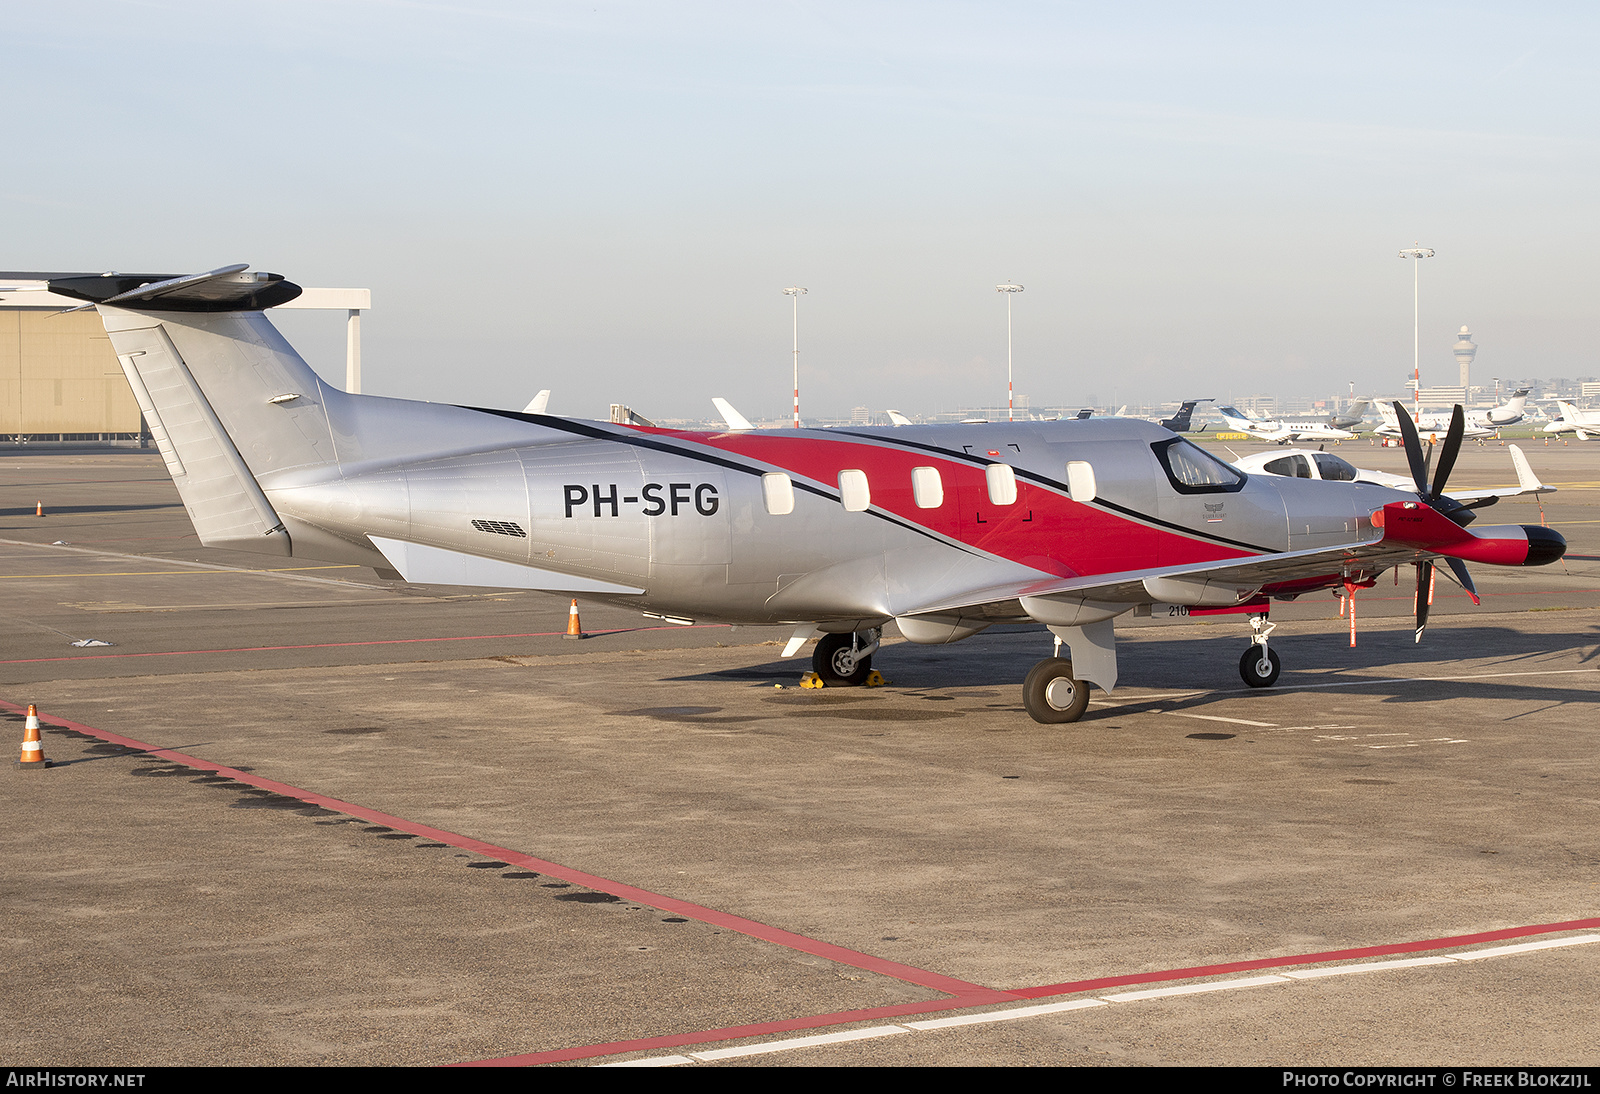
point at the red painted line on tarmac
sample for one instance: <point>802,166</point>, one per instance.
<point>775,935</point>
<point>1076,986</point>
<point>728,1033</point>
<point>340,645</point>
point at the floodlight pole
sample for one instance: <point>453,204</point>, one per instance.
<point>1010,290</point>
<point>1416,254</point>
<point>795,292</point>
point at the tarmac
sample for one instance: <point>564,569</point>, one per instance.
<point>302,815</point>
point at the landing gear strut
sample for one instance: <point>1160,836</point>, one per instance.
<point>1259,666</point>
<point>845,660</point>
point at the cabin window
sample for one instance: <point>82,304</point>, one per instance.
<point>1002,484</point>
<point>926,487</point>
<point>777,490</point>
<point>854,493</point>
<point>1080,481</point>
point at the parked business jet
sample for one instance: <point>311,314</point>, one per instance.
<point>1306,463</point>
<point>1480,423</point>
<point>1573,420</point>
<point>1282,432</point>
<point>943,529</point>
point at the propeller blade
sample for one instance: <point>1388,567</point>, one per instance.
<point>1452,446</point>
<point>1424,580</point>
<point>1413,443</point>
<point>1459,568</point>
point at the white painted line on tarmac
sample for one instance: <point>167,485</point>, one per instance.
<point>1016,1013</point>
<point>1528,947</point>
<point>653,1061</point>
<point>1371,966</point>
<point>1194,989</point>
<point>1004,1015</point>
<point>1219,718</point>
<point>1291,688</point>
<point>799,1042</point>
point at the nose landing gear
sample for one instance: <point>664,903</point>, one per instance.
<point>1259,666</point>
<point>845,660</point>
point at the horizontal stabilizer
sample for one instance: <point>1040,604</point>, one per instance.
<point>229,288</point>
<point>424,565</point>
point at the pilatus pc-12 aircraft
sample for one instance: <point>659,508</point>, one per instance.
<point>943,529</point>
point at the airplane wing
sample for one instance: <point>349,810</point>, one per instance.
<point>1411,532</point>
<point>1221,578</point>
<point>1527,483</point>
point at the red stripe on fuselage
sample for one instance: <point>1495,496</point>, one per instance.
<point>1043,529</point>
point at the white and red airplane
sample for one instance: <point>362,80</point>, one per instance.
<point>944,530</point>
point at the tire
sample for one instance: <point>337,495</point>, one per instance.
<point>1051,695</point>
<point>838,667</point>
<point>1250,668</point>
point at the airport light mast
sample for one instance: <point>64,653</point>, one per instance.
<point>795,292</point>
<point>1010,290</point>
<point>1416,254</point>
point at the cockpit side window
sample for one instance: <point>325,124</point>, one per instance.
<point>1332,467</point>
<point>1192,470</point>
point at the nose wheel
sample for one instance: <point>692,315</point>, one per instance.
<point>1259,666</point>
<point>845,660</point>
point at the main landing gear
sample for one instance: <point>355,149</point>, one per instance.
<point>845,660</point>
<point>1259,665</point>
<point>1051,695</point>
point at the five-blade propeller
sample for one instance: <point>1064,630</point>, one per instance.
<point>1435,498</point>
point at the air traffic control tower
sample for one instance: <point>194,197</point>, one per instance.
<point>1465,350</point>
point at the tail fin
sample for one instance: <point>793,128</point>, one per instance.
<point>255,386</point>
<point>247,383</point>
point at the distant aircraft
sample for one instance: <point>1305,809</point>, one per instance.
<point>945,530</point>
<point>1281,432</point>
<point>1180,422</point>
<point>1351,418</point>
<point>1306,463</point>
<point>1480,423</point>
<point>1573,420</point>
<point>539,404</point>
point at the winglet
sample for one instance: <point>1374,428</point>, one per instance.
<point>1525,477</point>
<point>734,419</point>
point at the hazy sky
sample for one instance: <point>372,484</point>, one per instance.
<point>607,199</point>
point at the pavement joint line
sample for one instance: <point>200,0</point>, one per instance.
<point>342,645</point>
<point>1011,1014</point>
<point>948,985</point>
<point>187,564</point>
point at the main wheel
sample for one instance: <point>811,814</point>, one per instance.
<point>1051,695</point>
<point>1254,672</point>
<point>836,662</point>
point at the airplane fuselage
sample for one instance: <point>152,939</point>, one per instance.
<point>784,526</point>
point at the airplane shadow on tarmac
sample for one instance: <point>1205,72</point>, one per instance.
<point>1210,663</point>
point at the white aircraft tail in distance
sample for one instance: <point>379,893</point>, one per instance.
<point>1574,420</point>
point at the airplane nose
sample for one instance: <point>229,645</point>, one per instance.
<point>1544,545</point>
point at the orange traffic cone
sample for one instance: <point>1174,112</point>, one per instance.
<point>38,508</point>
<point>574,628</point>
<point>32,750</point>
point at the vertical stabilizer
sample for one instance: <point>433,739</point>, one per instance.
<point>252,383</point>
